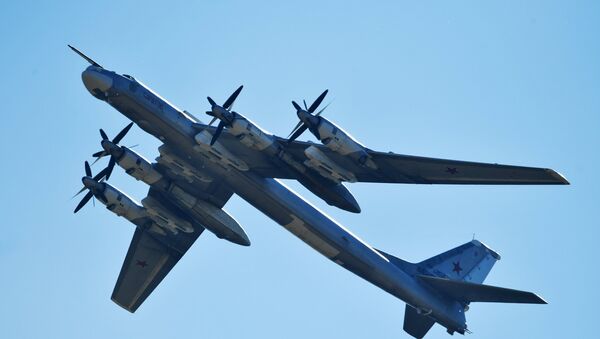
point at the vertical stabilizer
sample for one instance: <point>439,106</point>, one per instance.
<point>416,324</point>
<point>470,262</point>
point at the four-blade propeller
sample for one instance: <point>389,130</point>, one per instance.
<point>306,117</point>
<point>223,113</point>
<point>89,183</point>
<point>106,144</point>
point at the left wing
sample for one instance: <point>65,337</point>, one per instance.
<point>152,254</point>
<point>147,263</point>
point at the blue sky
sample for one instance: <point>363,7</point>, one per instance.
<point>507,82</point>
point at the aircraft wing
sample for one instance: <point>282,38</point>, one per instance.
<point>152,254</point>
<point>399,168</point>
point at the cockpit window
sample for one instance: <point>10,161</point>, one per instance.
<point>128,76</point>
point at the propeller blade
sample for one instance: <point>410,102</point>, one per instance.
<point>212,102</point>
<point>122,133</point>
<point>99,154</point>
<point>317,102</point>
<point>305,107</point>
<point>211,122</point>
<point>296,106</point>
<point>217,133</point>
<point>322,109</point>
<point>97,159</point>
<point>295,128</point>
<point>103,135</point>
<point>83,201</point>
<point>88,170</point>
<point>100,174</point>
<point>109,168</point>
<point>297,133</point>
<point>92,62</point>
<point>232,97</point>
<point>78,193</point>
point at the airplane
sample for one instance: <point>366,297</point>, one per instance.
<point>200,167</point>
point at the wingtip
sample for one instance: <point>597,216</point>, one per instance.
<point>560,179</point>
<point>540,300</point>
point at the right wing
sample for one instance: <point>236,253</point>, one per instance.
<point>409,169</point>
<point>395,168</point>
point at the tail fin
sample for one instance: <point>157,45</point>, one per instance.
<point>458,274</point>
<point>469,262</point>
<point>416,324</point>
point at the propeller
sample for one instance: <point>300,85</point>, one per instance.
<point>223,113</point>
<point>305,114</point>
<point>115,141</point>
<point>88,182</point>
<point>90,60</point>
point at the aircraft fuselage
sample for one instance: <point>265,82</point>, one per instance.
<point>177,130</point>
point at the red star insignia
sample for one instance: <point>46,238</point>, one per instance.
<point>457,267</point>
<point>141,263</point>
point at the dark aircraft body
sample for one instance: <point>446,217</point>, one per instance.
<point>200,167</point>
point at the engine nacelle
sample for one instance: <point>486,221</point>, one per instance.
<point>340,142</point>
<point>326,167</point>
<point>121,204</point>
<point>138,167</point>
<point>217,153</point>
<point>211,217</point>
<point>251,135</point>
<point>180,167</point>
<point>165,218</point>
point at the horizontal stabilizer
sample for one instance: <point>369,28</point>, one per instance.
<point>416,324</point>
<point>470,292</point>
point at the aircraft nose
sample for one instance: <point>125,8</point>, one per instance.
<point>96,81</point>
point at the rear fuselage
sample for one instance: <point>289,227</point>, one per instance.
<point>177,130</point>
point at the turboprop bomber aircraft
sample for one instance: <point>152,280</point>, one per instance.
<point>200,167</point>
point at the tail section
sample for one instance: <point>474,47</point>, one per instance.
<point>416,324</point>
<point>458,274</point>
<point>469,262</point>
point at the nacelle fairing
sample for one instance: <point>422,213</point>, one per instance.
<point>326,167</point>
<point>340,142</point>
<point>213,218</point>
<point>138,167</point>
<point>115,200</point>
<point>217,153</point>
<point>251,135</point>
<point>180,167</point>
<point>166,219</point>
